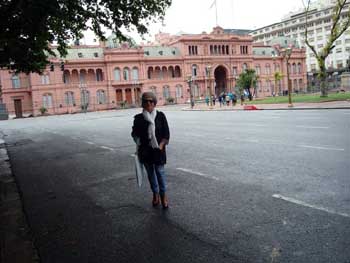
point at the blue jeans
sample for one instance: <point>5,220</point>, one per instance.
<point>156,177</point>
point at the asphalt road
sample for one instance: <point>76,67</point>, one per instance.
<point>259,186</point>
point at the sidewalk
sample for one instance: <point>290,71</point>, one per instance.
<point>284,106</point>
<point>16,244</point>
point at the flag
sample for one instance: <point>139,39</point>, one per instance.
<point>214,3</point>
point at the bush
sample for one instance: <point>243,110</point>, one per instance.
<point>43,110</point>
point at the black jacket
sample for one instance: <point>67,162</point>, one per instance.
<point>140,130</point>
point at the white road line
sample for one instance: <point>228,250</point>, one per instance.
<point>197,173</point>
<point>107,148</point>
<point>90,142</point>
<point>311,127</point>
<point>321,148</point>
<point>298,202</point>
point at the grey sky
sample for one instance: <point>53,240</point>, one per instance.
<point>196,16</point>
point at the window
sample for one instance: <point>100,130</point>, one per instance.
<point>45,79</point>
<point>80,55</point>
<point>99,75</point>
<point>319,37</point>
<point>178,91</point>
<point>69,98</point>
<point>166,92</point>
<point>234,71</point>
<point>126,74</point>
<point>257,69</point>
<point>244,67</point>
<point>101,97</point>
<point>195,90</point>
<point>194,70</point>
<point>299,68</point>
<point>82,77</point>
<point>267,69</point>
<point>135,73</point>
<point>96,55</point>
<point>338,42</point>
<point>338,50</point>
<point>154,90</point>
<point>85,97</point>
<point>16,83</point>
<point>117,74</point>
<point>66,77</point>
<point>47,101</point>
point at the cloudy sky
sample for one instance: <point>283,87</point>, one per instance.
<point>196,16</point>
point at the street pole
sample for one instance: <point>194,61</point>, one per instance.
<point>189,81</point>
<point>287,54</point>
<point>208,68</point>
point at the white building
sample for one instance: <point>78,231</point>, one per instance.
<point>319,28</point>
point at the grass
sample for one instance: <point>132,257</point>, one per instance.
<point>309,98</point>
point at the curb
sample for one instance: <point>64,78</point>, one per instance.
<point>16,245</point>
<point>325,108</point>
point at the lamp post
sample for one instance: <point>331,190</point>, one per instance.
<point>189,82</point>
<point>207,71</point>
<point>286,53</point>
<point>83,94</point>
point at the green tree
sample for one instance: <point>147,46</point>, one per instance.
<point>29,26</point>
<point>277,77</point>
<point>246,80</point>
<point>338,27</point>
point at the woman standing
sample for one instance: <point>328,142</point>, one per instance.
<point>151,132</point>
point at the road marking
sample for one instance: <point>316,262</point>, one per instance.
<point>311,127</point>
<point>321,148</point>
<point>298,202</point>
<point>107,148</point>
<point>197,173</point>
<point>90,142</point>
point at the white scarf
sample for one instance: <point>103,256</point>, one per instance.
<point>150,117</point>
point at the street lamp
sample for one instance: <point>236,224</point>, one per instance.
<point>207,71</point>
<point>286,53</point>
<point>84,95</point>
<point>189,82</point>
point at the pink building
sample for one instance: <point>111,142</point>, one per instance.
<point>111,75</point>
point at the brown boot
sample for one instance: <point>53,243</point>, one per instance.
<point>155,200</point>
<point>164,200</point>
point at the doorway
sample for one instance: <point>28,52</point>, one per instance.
<point>220,80</point>
<point>18,108</point>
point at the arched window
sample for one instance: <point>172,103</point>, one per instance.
<point>171,71</point>
<point>157,72</point>
<point>150,72</point>
<point>194,70</point>
<point>178,91</point>
<point>195,90</point>
<point>211,50</point>
<point>277,67</point>
<point>126,74</point>
<point>154,90</point>
<point>66,77</point>
<point>299,68</point>
<point>101,97</point>
<point>164,72</point>
<point>289,68</point>
<point>267,69</point>
<point>295,85</point>
<point>117,74</point>
<point>16,83</point>
<point>85,97</point>
<point>69,98</point>
<point>215,49</point>
<point>135,73</point>
<point>99,75</point>
<point>257,69</point>
<point>244,67</point>
<point>82,76</point>
<point>166,92</point>
<point>294,68</point>
<point>47,101</point>
<point>301,84</point>
<point>45,79</point>
<point>177,72</point>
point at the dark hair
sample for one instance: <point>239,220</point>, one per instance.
<point>148,96</point>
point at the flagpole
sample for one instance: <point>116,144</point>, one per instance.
<point>216,13</point>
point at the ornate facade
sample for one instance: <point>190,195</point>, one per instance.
<point>113,75</point>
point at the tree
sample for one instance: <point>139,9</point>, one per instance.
<point>246,80</point>
<point>337,29</point>
<point>29,27</point>
<point>277,77</point>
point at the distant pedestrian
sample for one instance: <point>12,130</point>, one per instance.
<point>207,100</point>
<point>228,98</point>
<point>213,99</point>
<point>151,133</point>
<point>220,100</point>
